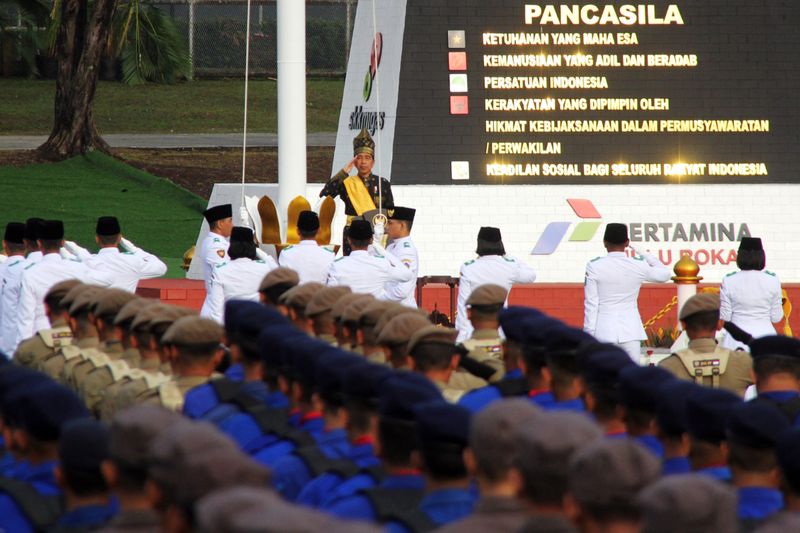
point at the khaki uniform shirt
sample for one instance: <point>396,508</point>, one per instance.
<point>486,346</point>
<point>125,392</point>
<point>43,345</point>
<point>170,394</point>
<point>736,378</point>
<point>54,366</point>
<point>92,358</point>
<point>449,393</point>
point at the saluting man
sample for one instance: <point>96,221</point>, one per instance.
<point>491,266</point>
<point>214,248</point>
<point>310,260</point>
<point>611,292</point>
<point>238,278</point>
<point>126,268</point>
<point>360,193</point>
<point>362,272</point>
<point>399,230</point>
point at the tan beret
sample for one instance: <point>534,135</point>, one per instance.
<point>370,315</point>
<point>110,301</point>
<point>133,431</point>
<point>705,301</point>
<point>341,304</point>
<point>130,309</point>
<point>400,328</point>
<point>171,314</point>
<point>191,459</point>
<point>279,276</point>
<point>84,299</point>
<point>432,335</point>
<point>141,322</point>
<point>353,311</point>
<point>324,300</point>
<point>192,331</point>
<point>298,297</point>
<point>488,294</point>
<point>395,309</point>
<point>60,289</point>
<point>69,297</point>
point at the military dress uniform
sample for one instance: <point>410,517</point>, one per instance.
<point>127,267</point>
<point>310,260</point>
<point>611,292</point>
<point>12,270</point>
<point>404,292</point>
<point>751,299</point>
<point>498,269</point>
<point>238,279</point>
<point>213,252</point>
<point>44,344</point>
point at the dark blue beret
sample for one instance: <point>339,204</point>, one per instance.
<point>13,378</point>
<point>604,364</point>
<point>775,346</point>
<point>638,386</point>
<point>363,382</point>
<point>707,412</point>
<point>671,408</point>
<point>402,391</point>
<point>788,458</point>
<point>440,422</point>
<point>253,318</point>
<point>83,444</point>
<point>304,355</point>
<point>233,308</point>
<point>513,318</point>
<point>43,408</point>
<point>331,370</point>
<point>756,424</point>
<point>273,340</point>
<point>566,338</point>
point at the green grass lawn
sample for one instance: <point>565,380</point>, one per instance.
<point>208,106</point>
<point>155,214</point>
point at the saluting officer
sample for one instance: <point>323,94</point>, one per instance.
<point>611,292</point>
<point>362,192</point>
<point>402,247</point>
<point>310,260</point>
<point>214,248</point>
<point>491,266</point>
<point>10,277</point>
<point>362,272</point>
<point>239,278</point>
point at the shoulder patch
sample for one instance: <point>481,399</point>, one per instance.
<point>18,261</point>
<point>289,247</point>
<point>406,244</point>
<point>221,264</point>
<point>30,266</point>
<point>328,248</point>
<point>216,240</point>
<point>260,261</point>
<point>469,262</point>
<point>509,259</point>
<point>770,273</point>
<point>127,253</point>
<point>337,260</point>
<point>170,396</point>
<point>637,258</point>
<point>221,253</point>
<point>595,259</point>
<point>731,273</point>
<point>379,256</point>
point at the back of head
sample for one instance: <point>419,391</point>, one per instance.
<point>443,432</point>
<point>197,339</point>
<point>689,503</point>
<point>605,478</point>
<point>277,282</point>
<point>242,244</point>
<point>490,242</point>
<point>492,435</point>
<point>42,409</point>
<point>775,354</point>
<point>753,429</point>
<point>82,448</point>
<point>432,348</point>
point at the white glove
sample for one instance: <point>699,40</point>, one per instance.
<point>66,255</point>
<point>376,248</point>
<point>244,216</point>
<point>261,254</point>
<point>127,245</point>
<point>77,251</point>
<point>378,232</point>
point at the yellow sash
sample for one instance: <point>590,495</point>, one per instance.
<point>359,195</point>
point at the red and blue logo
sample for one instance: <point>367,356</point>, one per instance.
<point>584,231</point>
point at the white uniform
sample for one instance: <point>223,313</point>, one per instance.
<point>751,299</point>
<point>238,279</point>
<point>502,270</point>
<point>367,274</point>
<point>213,251</point>
<point>9,301</point>
<point>611,294</point>
<point>308,259</point>
<point>37,278</point>
<point>404,292</point>
<point>127,268</point>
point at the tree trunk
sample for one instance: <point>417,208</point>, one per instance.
<point>79,47</point>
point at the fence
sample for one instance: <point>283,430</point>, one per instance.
<point>215,34</point>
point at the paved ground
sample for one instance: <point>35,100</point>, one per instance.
<point>211,140</point>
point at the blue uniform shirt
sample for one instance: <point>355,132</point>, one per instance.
<point>442,507</point>
<point>42,478</point>
<point>235,372</point>
<point>478,399</point>
<point>358,507</point>
<point>758,503</point>
<point>311,423</point>
<point>318,489</point>
<point>720,473</point>
<point>291,473</point>
<point>569,405</point>
<point>676,465</point>
<point>783,397</point>
<point>651,443</point>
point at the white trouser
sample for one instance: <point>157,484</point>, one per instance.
<point>634,349</point>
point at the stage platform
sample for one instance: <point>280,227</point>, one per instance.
<point>561,300</point>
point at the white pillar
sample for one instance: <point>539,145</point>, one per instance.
<point>291,104</point>
<point>685,291</point>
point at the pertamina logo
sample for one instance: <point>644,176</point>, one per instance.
<point>554,233</point>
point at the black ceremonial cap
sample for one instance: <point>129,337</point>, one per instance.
<point>756,424</point>
<point>52,230</point>
<point>108,226</point>
<point>616,233</point>
<point>402,213</point>
<point>15,232</point>
<point>308,221</point>
<point>241,234</point>
<point>775,346</point>
<point>489,234</point>
<point>752,244</point>
<point>218,212</point>
<point>360,230</point>
<point>32,228</point>
<point>707,412</point>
